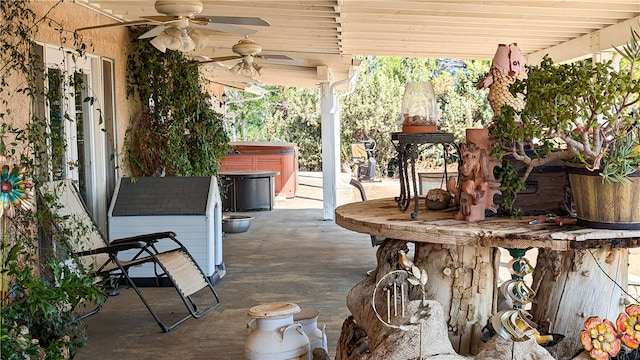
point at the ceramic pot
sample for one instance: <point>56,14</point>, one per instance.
<point>308,318</point>
<point>479,137</point>
<point>274,336</point>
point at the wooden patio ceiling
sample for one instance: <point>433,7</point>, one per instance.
<point>326,34</point>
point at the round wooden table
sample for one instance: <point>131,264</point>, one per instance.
<point>573,278</point>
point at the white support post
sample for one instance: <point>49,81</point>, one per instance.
<point>330,151</point>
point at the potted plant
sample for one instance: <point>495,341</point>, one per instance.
<point>587,113</point>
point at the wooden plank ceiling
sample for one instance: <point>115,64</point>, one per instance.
<point>330,32</point>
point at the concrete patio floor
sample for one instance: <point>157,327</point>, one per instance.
<point>289,254</point>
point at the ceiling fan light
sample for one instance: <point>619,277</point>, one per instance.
<point>158,42</point>
<point>247,69</point>
<point>258,69</point>
<point>173,31</point>
<point>187,44</point>
<point>248,72</point>
<point>235,70</point>
<point>171,38</point>
<point>199,39</point>
<point>173,43</point>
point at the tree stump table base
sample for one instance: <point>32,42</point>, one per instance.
<point>461,296</point>
<point>459,259</point>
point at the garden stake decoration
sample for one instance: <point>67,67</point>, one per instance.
<point>600,338</point>
<point>628,324</point>
<point>508,65</point>
<point>515,324</point>
<point>16,192</point>
<point>395,286</point>
<point>603,340</point>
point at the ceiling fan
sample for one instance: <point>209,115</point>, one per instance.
<point>247,51</point>
<point>180,27</point>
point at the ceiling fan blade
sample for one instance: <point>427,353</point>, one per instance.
<point>236,20</point>
<point>220,59</point>
<point>126,23</point>
<point>161,18</point>
<point>153,32</point>
<point>275,57</point>
<point>168,20</point>
<point>237,87</point>
<point>231,29</point>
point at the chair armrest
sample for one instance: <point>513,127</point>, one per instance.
<point>153,237</point>
<point>111,249</point>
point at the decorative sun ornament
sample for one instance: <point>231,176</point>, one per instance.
<point>599,338</point>
<point>628,324</point>
<point>16,190</point>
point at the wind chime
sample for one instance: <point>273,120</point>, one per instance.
<point>392,292</point>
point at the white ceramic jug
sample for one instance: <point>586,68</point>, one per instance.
<point>274,336</point>
<point>308,318</point>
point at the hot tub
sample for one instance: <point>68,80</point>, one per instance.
<point>266,156</point>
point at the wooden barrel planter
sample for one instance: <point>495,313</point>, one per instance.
<point>604,204</point>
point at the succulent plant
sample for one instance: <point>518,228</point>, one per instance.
<point>583,111</point>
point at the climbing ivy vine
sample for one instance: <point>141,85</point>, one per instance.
<point>176,132</point>
<point>39,295</point>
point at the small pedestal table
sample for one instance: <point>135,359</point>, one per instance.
<point>409,147</point>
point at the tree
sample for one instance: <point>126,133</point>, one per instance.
<point>295,117</point>
<point>372,112</point>
<point>462,105</point>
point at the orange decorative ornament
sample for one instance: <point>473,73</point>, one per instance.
<point>628,324</point>
<point>599,338</point>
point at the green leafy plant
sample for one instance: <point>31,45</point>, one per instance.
<point>176,131</point>
<point>583,111</point>
<point>510,185</point>
<point>41,295</point>
<point>41,317</point>
<point>39,303</point>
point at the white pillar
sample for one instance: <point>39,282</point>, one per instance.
<point>330,112</point>
<point>330,151</point>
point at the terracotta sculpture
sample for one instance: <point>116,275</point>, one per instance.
<point>508,65</point>
<point>472,185</point>
<point>476,185</point>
